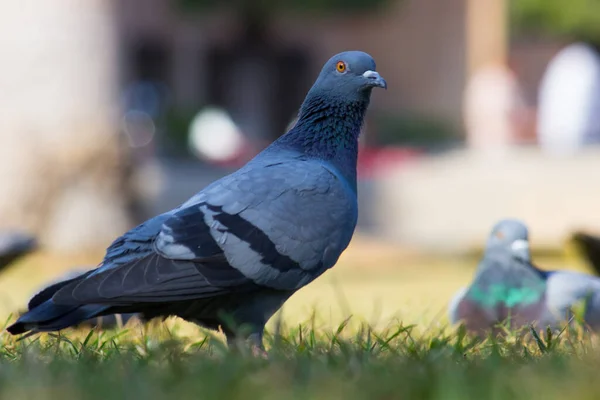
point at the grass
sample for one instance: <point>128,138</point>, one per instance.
<point>305,363</point>
<point>396,344</point>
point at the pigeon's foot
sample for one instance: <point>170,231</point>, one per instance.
<point>259,352</point>
<point>250,344</point>
<point>255,341</point>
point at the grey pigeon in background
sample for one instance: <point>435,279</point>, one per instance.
<point>14,245</point>
<point>231,255</point>
<point>508,286</point>
<point>106,321</point>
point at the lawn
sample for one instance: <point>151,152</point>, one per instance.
<point>374,327</point>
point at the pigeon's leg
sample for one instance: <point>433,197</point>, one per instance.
<point>245,324</point>
<point>255,341</point>
<point>252,341</point>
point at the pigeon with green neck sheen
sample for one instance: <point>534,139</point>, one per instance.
<point>508,288</point>
<point>231,255</point>
<point>505,286</point>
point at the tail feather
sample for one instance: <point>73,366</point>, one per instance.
<point>44,315</point>
<point>49,317</point>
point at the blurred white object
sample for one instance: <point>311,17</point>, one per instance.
<point>493,103</point>
<point>214,136</point>
<point>569,101</point>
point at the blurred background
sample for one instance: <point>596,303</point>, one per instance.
<point>114,111</point>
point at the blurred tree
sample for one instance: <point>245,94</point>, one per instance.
<point>577,19</point>
<point>63,167</point>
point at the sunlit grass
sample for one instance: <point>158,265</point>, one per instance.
<point>157,361</point>
<point>374,281</point>
<point>374,327</point>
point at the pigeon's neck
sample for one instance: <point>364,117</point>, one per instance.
<point>328,129</point>
<point>502,280</point>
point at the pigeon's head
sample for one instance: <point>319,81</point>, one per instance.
<point>511,235</point>
<point>350,75</point>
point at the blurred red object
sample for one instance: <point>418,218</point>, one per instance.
<point>372,161</point>
<point>376,161</point>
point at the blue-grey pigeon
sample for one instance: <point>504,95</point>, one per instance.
<point>231,255</point>
<point>14,245</point>
<point>508,287</point>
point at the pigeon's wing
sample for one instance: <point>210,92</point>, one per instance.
<point>277,226</point>
<point>135,244</point>
<point>592,311</point>
<point>280,226</point>
<point>453,305</point>
<point>567,288</point>
<point>132,260</point>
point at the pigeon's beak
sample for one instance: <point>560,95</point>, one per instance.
<point>521,249</point>
<point>374,79</point>
<point>519,245</point>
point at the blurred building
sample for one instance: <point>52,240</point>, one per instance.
<point>66,64</point>
<point>424,48</point>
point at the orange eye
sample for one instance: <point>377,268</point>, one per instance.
<point>341,66</point>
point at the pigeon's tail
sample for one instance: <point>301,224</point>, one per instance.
<point>45,316</point>
<point>49,317</point>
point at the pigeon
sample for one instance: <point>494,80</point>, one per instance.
<point>14,245</point>
<point>230,256</point>
<point>589,245</point>
<point>508,287</point>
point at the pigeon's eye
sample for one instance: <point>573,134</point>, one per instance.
<point>341,67</point>
<point>500,235</point>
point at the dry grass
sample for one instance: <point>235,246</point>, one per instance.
<point>374,282</point>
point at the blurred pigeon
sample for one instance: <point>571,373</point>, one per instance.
<point>106,321</point>
<point>14,245</point>
<point>231,255</point>
<point>589,245</point>
<point>508,286</point>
